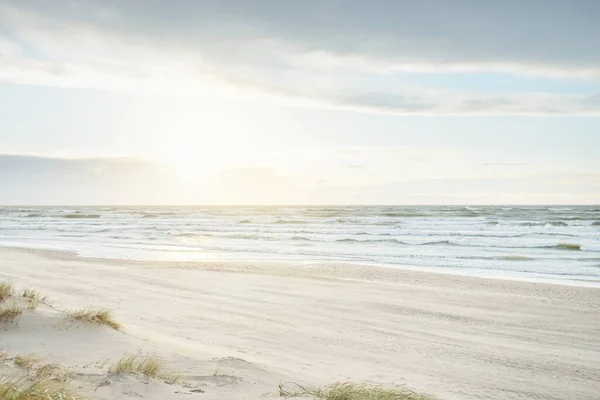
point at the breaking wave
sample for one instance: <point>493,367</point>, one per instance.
<point>81,216</point>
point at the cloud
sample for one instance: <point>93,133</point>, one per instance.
<point>539,36</point>
<point>29,179</point>
<point>488,164</point>
<point>311,53</point>
<point>40,180</point>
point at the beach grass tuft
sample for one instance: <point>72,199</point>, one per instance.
<point>33,298</point>
<point>54,372</point>
<point>6,291</point>
<point>47,370</point>
<point>10,313</point>
<point>352,391</point>
<point>147,365</point>
<point>26,362</point>
<point>93,316</point>
<point>22,389</point>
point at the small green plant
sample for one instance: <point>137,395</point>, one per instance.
<point>147,365</point>
<point>352,391</point>
<point>92,316</point>
<point>6,291</point>
<point>10,313</point>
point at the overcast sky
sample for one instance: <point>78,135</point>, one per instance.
<point>299,102</point>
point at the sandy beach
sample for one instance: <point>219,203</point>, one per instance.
<point>238,330</point>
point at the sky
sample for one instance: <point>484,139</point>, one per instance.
<point>299,102</point>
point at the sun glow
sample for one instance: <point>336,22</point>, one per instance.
<point>197,138</point>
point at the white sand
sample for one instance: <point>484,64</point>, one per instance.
<point>449,336</point>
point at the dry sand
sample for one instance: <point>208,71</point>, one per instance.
<point>236,331</point>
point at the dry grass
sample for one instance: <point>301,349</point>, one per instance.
<point>26,362</point>
<point>92,316</point>
<point>10,313</point>
<point>54,372</point>
<point>47,370</point>
<point>12,389</point>
<point>32,303</point>
<point>6,291</point>
<point>352,391</point>
<point>33,298</point>
<point>147,365</point>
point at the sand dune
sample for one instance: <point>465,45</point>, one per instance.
<point>236,331</point>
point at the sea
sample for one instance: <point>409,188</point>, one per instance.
<point>532,243</point>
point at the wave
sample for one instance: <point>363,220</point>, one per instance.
<point>253,236</point>
<point>188,234</point>
<point>557,223</point>
<point>566,246</point>
<point>560,246</point>
<point>403,214</point>
<point>370,241</point>
<point>82,216</point>
<point>290,222</point>
<point>546,224</point>
<point>32,215</point>
<point>245,221</point>
<point>439,242</point>
<point>596,223</point>
<point>301,238</point>
<point>515,258</point>
<point>158,214</point>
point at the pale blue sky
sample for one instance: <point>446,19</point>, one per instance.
<point>288,102</point>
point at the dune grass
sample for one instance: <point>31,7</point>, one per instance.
<point>47,370</point>
<point>147,365</point>
<point>10,313</point>
<point>352,391</point>
<point>26,362</point>
<point>6,291</point>
<point>21,389</point>
<point>33,298</point>
<point>93,316</point>
<point>53,372</point>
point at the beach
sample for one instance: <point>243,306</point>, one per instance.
<point>237,330</point>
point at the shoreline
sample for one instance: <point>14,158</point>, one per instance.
<point>453,337</point>
<point>274,267</point>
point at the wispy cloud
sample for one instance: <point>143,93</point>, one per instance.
<point>343,58</point>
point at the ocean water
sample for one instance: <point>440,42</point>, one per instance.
<point>531,243</point>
